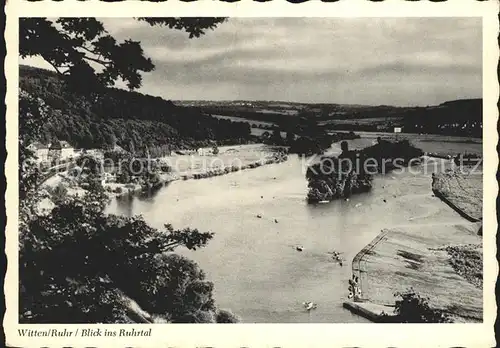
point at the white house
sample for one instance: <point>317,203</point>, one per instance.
<point>67,151</point>
<point>107,178</point>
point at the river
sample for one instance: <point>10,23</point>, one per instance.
<point>257,272</point>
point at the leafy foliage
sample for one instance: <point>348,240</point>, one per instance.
<point>467,261</point>
<point>196,27</point>
<point>121,118</point>
<point>76,263</point>
<point>58,194</point>
<point>413,308</point>
<point>78,258</point>
<point>33,114</point>
<point>352,171</point>
<point>74,46</point>
<point>226,317</point>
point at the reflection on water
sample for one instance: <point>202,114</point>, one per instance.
<point>253,262</point>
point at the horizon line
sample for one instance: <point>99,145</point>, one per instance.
<point>268,101</point>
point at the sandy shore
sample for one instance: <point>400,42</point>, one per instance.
<point>463,191</point>
<point>191,165</point>
<point>438,255</point>
<point>186,166</point>
<point>415,257</point>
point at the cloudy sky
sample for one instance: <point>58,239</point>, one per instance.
<point>411,61</point>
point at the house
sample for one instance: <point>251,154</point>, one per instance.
<point>67,151</point>
<point>107,178</point>
<point>54,154</point>
<point>118,148</point>
<point>41,151</point>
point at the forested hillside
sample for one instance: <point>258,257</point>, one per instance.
<point>128,119</point>
<point>458,117</point>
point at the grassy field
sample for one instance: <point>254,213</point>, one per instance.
<point>419,257</point>
<point>240,119</point>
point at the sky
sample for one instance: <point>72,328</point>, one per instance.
<point>374,61</point>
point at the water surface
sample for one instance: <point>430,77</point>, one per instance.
<point>253,263</point>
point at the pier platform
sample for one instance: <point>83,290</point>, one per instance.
<point>371,311</point>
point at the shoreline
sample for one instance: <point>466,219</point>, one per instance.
<point>450,191</point>
<point>462,213</point>
<point>415,257</point>
<point>168,178</point>
<point>356,261</point>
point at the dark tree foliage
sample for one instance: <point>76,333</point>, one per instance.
<point>276,137</point>
<point>194,26</point>
<point>290,138</point>
<point>121,118</point>
<point>33,114</point>
<point>414,308</point>
<point>73,46</point>
<point>77,263</point>
<point>226,317</point>
<point>308,146</point>
<point>168,284</point>
<point>352,171</point>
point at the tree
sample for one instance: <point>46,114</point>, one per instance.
<point>276,138</point>
<point>76,262</point>
<point>32,116</point>
<point>59,193</point>
<point>215,150</point>
<point>173,286</point>
<point>414,308</point>
<point>344,146</point>
<point>266,135</point>
<point>226,317</point>
<point>290,138</point>
<point>73,46</point>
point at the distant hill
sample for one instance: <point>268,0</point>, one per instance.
<point>128,119</point>
<point>456,117</point>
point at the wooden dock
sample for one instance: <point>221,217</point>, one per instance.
<point>371,311</point>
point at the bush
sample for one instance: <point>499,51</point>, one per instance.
<point>226,317</point>
<point>413,308</point>
<point>338,177</point>
<point>215,150</point>
<point>105,256</point>
<point>59,193</point>
<point>198,317</point>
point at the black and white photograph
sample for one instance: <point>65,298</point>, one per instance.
<point>250,170</point>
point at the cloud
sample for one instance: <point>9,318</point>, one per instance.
<point>399,61</point>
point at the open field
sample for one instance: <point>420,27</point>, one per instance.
<point>413,257</point>
<point>239,119</point>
